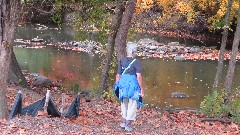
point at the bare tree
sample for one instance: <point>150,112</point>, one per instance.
<point>116,20</point>
<point>122,33</point>
<point>9,18</point>
<point>232,62</point>
<point>117,37</point>
<point>223,45</point>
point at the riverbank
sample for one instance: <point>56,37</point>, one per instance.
<point>103,117</point>
<point>146,47</point>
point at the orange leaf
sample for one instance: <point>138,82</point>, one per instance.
<point>42,113</point>
<point>106,129</point>
<point>46,125</point>
<point>82,114</point>
<point>86,129</point>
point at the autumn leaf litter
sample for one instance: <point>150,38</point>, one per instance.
<point>103,117</point>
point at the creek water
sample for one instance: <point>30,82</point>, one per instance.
<point>161,77</point>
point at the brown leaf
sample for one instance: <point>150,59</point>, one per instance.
<point>140,122</point>
<point>166,113</point>
<point>82,114</point>
<point>42,113</point>
<point>46,125</point>
<point>106,129</point>
<point>22,130</point>
<point>13,126</point>
<point>218,123</point>
<point>101,102</point>
<point>86,129</point>
<point>157,125</point>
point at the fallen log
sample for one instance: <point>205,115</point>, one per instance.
<point>222,120</point>
<point>177,110</point>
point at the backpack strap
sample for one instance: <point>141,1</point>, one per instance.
<point>128,67</point>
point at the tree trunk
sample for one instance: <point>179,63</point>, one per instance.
<point>9,18</point>
<point>25,2</point>
<point>110,46</point>
<point>122,33</point>
<point>232,62</point>
<point>223,45</point>
<point>15,74</point>
<point>3,103</point>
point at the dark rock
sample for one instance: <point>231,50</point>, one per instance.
<point>179,58</point>
<point>88,99</point>
<point>85,92</point>
<point>42,81</point>
<point>179,95</point>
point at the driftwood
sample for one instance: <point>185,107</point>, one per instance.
<point>222,120</point>
<point>46,101</point>
<point>63,103</point>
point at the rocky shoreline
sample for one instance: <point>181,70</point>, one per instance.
<point>146,48</point>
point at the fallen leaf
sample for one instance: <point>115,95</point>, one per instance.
<point>42,113</point>
<point>86,129</point>
<point>106,129</point>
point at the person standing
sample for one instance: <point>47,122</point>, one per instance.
<point>129,85</point>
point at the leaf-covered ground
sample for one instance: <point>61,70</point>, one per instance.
<point>103,117</point>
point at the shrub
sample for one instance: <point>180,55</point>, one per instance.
<point>74,87</point>
<point>213,105</point>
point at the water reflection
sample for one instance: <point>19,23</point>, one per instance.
<point>161,77</point>
<point>59,64</point>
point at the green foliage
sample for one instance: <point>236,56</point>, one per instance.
<point>109,95</point>
<point>60,7</point>
<point>19,81</point>
<point>92,17</point>
<point>74,87</point>
<point>214,105</point>
<point>57,18</point>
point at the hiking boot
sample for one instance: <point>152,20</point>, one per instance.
<point>128,129</point>
<point>128,126</point>
<point>123,124</point>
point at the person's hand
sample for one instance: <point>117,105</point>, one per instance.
<point>142,93</point>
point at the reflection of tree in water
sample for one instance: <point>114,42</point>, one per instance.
<point>71,68</point>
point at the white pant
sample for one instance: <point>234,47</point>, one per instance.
<point>129,109</point>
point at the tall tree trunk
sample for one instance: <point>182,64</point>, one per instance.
<point>122,33</point>
<point>232,62</point>
<point>3,103</point>
<point>9,17</point>
<point>15,74</point>
<point>110,46</point>
<point>223,45</point>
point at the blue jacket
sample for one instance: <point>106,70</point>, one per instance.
<point>128,87</point>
